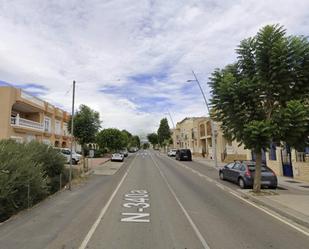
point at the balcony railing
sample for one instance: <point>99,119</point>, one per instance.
<point>21,122</point>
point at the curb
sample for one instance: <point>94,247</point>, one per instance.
<point>275,209</point>
<point>256,200</point>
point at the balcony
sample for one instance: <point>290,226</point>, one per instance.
<point>26,123</point>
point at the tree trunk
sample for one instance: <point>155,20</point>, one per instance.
<point>84,162</point>
<point>257,175</point>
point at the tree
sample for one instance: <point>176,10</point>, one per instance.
<point>263,97</point>
<point>127,136</point>
<point>164,132</point>
<point>111,138</point>
<point>145,146</point>
<point>136,142</point>
<point>86,125</point>
<point>153,138</point>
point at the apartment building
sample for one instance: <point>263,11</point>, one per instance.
<point>185,134</point>
<point>24,118</point>
<point>226,150</point>
<point>195,134</point>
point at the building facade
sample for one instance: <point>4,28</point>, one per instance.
<point>24,118</point>
<point>185,134</point>
<point>195,133</point>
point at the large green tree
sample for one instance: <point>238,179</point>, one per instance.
<point>263,96</point>
<point>112,139</point>
<point>135,141</point>
<point>86,125</point>
<point>153,138</point>
<point>164,132</point>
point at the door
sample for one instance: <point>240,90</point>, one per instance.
<point>286,161</point>
<point>228,171</point>
<point>235,172</point>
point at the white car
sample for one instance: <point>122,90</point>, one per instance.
<point>117,157</point>
<point>172,152</point>
<point>67,153</point>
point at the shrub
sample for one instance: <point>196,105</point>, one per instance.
<point>32,167</point>
<point>17,172</point>
<point>52,162</point>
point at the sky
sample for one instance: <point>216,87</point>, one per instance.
<point>131,60</point>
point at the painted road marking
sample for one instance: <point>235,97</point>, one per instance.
<point>227,189</point>
<point>197,232</point>
<point>137,199</point>
<point>103,211</point>
<point>276,216</point>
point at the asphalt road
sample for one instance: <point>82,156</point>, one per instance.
<point>151,202</point>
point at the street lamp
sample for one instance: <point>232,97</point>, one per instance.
<point>213,133</point>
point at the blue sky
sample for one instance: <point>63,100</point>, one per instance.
<point>131,59</point>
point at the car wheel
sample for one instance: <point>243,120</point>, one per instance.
<point>221,175</point>
<point>241,183</point>
<point>74,161</point>
<point>272,187</point>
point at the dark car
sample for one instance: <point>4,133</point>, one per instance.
<point>242,173</point>
<point>183,155</point>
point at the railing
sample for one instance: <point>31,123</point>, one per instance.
<point>17,121</point>
<point>31,98</point>
<point>302,157</point>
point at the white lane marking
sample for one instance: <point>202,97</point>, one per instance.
<point>227,189</point>
<point>197,232</point>
<point>103,211</point>
<point>272,214</point>
<point>135,217</point>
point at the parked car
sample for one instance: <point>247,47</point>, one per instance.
<point>183,154</point>
<point>242,173</point>
<point>133,149</point>
<point>67,154</point>
<point>172,152</point>
<point>124,152</point>
<point>117,157</point>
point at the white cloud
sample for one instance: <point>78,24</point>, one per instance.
<point>102,43</point>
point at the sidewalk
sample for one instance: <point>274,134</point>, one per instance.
<point>290,200</point>
<point>92,164</point>
<point>208,162</point>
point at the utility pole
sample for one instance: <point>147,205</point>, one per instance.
<point>72,132</point>
<point>213,132</point>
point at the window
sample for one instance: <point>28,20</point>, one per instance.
<point>230,165</point>
<point>237,166</point>
<point>58,127</point>
<point>46,124</point>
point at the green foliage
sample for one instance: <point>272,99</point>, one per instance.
<point>153,138</point>
<point>86,124</point>
<point>164,132</point>
<point>111,138</point>
<point>263,97</point>
<point>21,165</point>
<point>17,171</point>
<point>135,142</point>
<point>146,146</point>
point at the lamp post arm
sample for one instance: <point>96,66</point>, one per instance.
<point>206,103</point>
